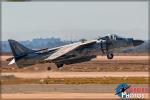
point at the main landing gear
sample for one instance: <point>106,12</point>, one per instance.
<point>49,68</point>
<point>59,65</point>
<point>110,56</point>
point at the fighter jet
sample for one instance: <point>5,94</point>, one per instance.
<point>78,52</point>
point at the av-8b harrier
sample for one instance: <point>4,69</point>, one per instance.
<point>72,53</point>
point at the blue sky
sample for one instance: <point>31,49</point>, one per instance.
<point>73,20</point>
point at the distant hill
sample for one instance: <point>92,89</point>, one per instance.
<point>37,43</point>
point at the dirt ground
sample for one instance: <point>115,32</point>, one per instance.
<point>122,64</point>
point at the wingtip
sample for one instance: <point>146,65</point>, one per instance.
<point>12,62</point>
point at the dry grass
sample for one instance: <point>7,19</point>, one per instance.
<point>102,80</point>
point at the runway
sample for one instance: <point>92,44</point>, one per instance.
<point>61,96</point>
<point>64,96</point>
<point>124,58</point>
<point>63,91</point>
<point>63,88</point>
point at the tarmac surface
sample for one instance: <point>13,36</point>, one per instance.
<point>66,88</point>
<point>66,96</point>
<point>63,91</point>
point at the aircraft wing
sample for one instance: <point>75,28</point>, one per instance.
<point>66,49</point>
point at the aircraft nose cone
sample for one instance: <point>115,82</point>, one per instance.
<point>137,42</point>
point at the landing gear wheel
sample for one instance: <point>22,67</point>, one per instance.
<point>59,65</point>
<point>110,56</point>
<point>48,68</point>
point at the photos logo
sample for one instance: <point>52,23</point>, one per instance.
<point>125,91</point>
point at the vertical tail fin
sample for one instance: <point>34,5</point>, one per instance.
<point>18,49</point>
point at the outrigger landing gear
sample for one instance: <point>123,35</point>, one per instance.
<point>110,55</point>
<point>59,65</point>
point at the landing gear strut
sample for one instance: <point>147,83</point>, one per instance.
<point>110,55</point>
<point>59,65</point>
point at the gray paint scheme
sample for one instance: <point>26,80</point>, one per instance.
<point>73,53</point>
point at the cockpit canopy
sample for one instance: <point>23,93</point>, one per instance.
<point>114,36</point>
<point>111,37</point>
